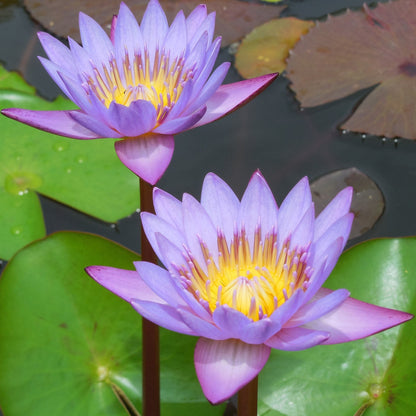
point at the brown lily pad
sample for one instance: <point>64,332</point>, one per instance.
<point>357,50</point>
<point>266,48</point>
<point>234,18</point>
<point>367,201</point>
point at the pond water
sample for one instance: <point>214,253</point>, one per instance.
<point>270,133</point>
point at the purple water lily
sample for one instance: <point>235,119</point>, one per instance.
<point>246,277</point>
<point>144,84</point>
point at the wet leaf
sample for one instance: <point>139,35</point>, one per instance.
<point>357,50</point>
<point>378,372</point>
<point>86,175</point>
<point>234,19</point>
<point>367,201</point>
<point>66,341</point>
<point>266,48</point>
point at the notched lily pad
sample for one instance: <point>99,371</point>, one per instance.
<point>357,50</point>
<point>266,48</point>
<point>367,201</point>
<point>84,174</point>
<point>67,343</point>
<point>377,374</point>
<point>234,19</point>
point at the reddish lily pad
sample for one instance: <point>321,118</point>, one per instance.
<point>357,50</point>
<point>234,18</point>
<point>367,201</point>
<point>266,48</point>
<point>67,343</point>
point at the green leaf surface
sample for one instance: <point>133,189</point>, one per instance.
<point>84,174</point>
<point>376,375</point>
<point>65,339</point>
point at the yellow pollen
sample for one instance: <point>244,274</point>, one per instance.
<point>161,84</point>
<point>253,280</point>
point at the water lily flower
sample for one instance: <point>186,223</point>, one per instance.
<point>246,277</point>
<point>144,84</point>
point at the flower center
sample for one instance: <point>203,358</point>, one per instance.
<point>253,281</point>
<point>161,84</point>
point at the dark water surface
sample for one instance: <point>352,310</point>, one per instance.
<point>270,133</point>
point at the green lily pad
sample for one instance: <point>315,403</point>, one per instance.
<point>84,174</point>
<point>375,376</point>
<point>65,340</point>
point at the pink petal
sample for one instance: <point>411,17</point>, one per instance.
<point>229,97</point>
<point>224,367</point>
<point>337,208</point>
<point>160,282</point>
<point>168,208</point>
<point>354,319</point>
<point>258,208</point>
<point>296,339</point>
<point>124,283</point>
<point>163,315</point>
<point>317,308</point>
<point>56,122</point>
<point>202,327</point>
<point>147,156</point>
<point>221,204</point>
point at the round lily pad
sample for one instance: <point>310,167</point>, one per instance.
<point>367,201</point>
<point>266,48</point>
<point>84,174</point>
<point>67,343</point>
<point>375,376</point>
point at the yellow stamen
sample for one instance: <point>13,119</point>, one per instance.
<point>162,85</point>
<point>254,281</point>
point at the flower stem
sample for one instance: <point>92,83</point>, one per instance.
<point>247,399</point>
<point>150,331</point>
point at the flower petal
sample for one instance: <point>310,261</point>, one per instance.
<point>202,327</point>
<point>223,367</point>
<point>154,26</point>
<point>195,19</point>
<point>198,229</point>
<point>94,124</point>
<point>95,41</point>
<point>229,97</point>
<point>160,282</point>
<point>127,36</point>
<point>57,52</point>
<point>154,225</point>
<point>162,315</point>
<point>258,208</point>
<point>221,204</point>
<point>56,122</point>
<point>292,210</point>
<point>296,339</point>
<point>124,283</point>
<point>175,43</point>
<point>317,308</point>
<point>133,121</point>
<point>239,326</point>
<point>168,208</point>
<point>147,156</point>
<point>337,208</point>
<point>355,319</point>
<point>180,124</point>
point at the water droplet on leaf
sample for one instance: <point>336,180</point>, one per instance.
<point>19,183</point>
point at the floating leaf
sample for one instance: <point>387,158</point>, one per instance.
<point>266,48</point>
<point>234,17</point>
<point>367,202</point>
<point>65,340</point>
<point>358,50</point>
<point>86,175</point>
<point>377,373</point>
